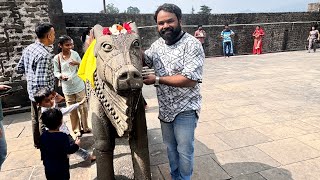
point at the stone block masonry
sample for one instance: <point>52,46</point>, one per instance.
<point>18,19</point>
<point>284,31</point>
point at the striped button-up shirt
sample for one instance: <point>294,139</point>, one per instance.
<point>36,63</point>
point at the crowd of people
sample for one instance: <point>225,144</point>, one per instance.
<point>227,39</point>
<point>177,81</point>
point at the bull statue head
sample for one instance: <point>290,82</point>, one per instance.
<point>119,59</point>
<point>118,77</point>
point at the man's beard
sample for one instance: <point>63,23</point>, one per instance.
<point>170,34</point>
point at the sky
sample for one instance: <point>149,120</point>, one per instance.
<point>217,6</point>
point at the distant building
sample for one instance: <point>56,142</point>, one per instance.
<point>314,7</point>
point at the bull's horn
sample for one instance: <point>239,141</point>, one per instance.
<point>97,30</point>
<point>134,27</point>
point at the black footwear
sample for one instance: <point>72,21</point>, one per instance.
<point>87,130</point>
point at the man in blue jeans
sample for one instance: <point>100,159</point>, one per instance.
<point>36,64</point>
<point>177,58</point>
<point>226,36</point>
<point>3,143</point>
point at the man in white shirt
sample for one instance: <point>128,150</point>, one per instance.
<point>177,58</point>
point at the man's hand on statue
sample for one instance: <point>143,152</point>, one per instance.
<point>149,79</point>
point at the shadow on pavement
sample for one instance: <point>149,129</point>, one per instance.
<point>207,165</point>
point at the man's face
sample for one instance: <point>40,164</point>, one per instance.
<point>51,35</point>
<point>169,26</point>
<point>200,28</point>
<point>47,101</point>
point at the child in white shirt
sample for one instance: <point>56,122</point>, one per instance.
<point>47,100</point>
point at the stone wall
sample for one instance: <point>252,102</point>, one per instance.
<point>284,31</point>
<point>314,7</point>
<point>18,19</point>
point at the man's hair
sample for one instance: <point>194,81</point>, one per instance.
<point>43,29</point>
<point>171,8</point>
<point>52,118</point>
<point>41,94</point>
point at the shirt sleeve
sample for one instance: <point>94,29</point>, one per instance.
<point>193,61</point>
<point>71,146</point>
<point>70,108</point>
<point>148,56</point>
<point>44,72</point>
<point>78,58</point>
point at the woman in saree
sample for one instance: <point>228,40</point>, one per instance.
<point>257,43</point>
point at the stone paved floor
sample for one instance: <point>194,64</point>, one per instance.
<point>260,120</point>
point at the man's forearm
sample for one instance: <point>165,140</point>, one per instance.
<point>177,81</point>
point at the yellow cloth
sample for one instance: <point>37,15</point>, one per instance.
<point>88,64</point>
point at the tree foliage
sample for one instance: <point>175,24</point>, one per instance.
<point>132,10</point>
<point>204,9</point>
<point>111,9</point>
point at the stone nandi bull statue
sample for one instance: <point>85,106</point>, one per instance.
<point>116,102</point>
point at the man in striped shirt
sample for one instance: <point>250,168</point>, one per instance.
<point>36,64</point>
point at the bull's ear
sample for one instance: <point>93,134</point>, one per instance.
<point>134,27</point>
<point>97,30</point>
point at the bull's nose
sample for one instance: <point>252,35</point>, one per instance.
<point>129,78</point>
<point>130,75</point>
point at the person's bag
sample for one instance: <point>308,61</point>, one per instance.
<point>58,80</point>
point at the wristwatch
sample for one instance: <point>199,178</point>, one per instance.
<point>157,81</point>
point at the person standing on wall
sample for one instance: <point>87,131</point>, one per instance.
<point>200,34</point>
<point>3,143</point>
<point>313,37</point>
<point>257,42</point>
<point>177,58</point>
<point>36,64</point>
<point>226,36</point>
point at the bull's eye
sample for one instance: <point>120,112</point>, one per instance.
<point>136,43</point>
<point>107,47</point>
